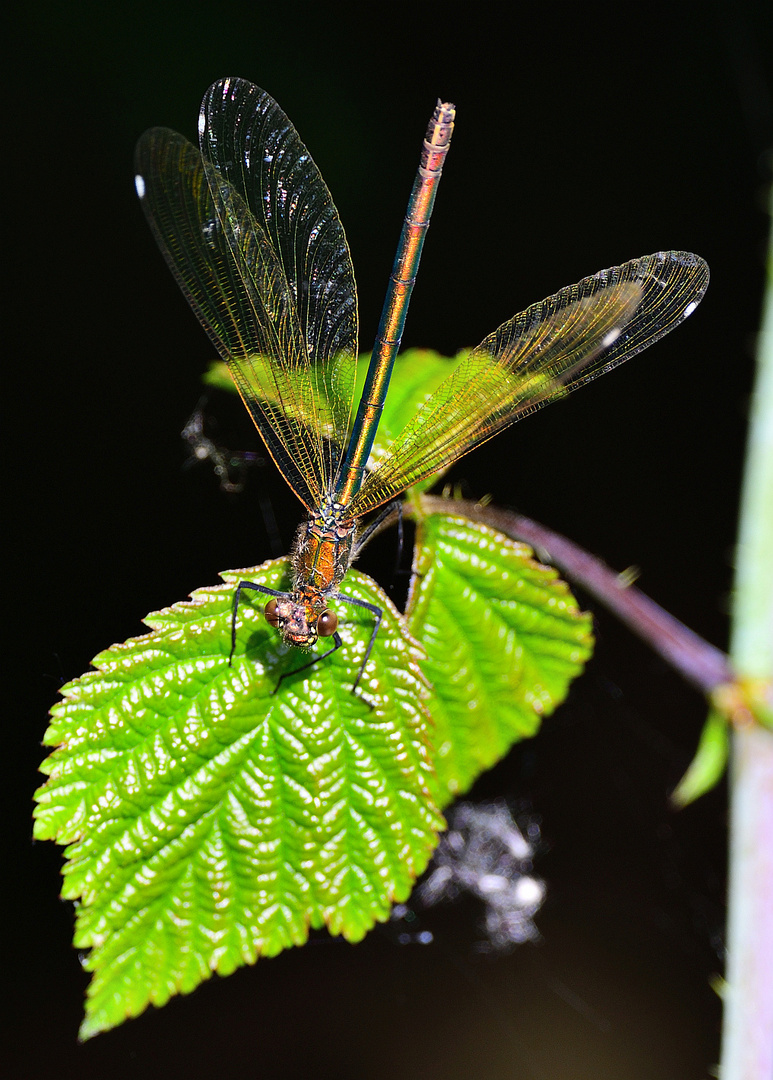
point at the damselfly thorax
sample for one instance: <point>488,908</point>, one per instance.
<point>320,557</point>
<point>325,546</point>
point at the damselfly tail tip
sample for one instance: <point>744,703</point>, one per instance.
<point>441,126</point>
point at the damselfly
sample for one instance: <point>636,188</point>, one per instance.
<point>249,229</point>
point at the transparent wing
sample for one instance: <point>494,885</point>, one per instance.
<point>249,230</point>
<point>539,355</point>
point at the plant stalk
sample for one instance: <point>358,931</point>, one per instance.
<point>747,1044</point>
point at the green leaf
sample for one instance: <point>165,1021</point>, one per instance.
<point>504,639</point>
<point>416,375</point>
<point>213,813</point>
<point>708,765</point>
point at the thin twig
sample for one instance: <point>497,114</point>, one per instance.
<point>700,663</point>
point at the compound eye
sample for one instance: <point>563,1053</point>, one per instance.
<point>272,617</point>
<point>327,624</point>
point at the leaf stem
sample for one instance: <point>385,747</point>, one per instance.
<point>701,664</point>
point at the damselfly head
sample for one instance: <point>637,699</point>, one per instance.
<point>300,622</point>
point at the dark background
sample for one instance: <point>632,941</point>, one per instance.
<point>584,138</point>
